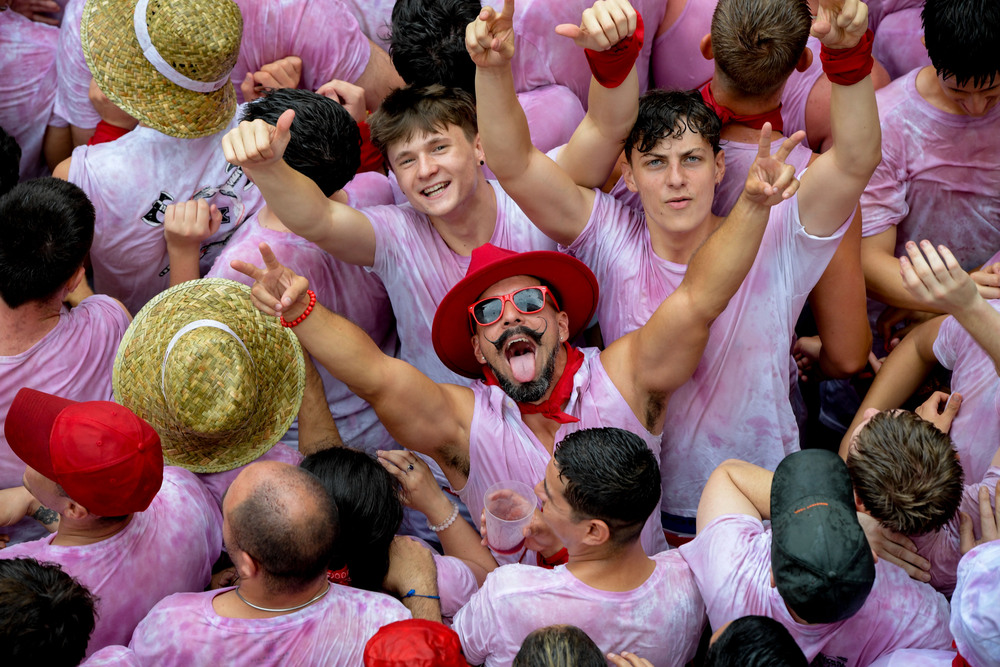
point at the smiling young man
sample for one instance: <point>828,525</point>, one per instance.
<point>737,402</point>
<point>941,134</point>
<point>511,317</point>
<point>599,488</point>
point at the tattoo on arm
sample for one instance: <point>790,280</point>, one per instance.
<point>45,516</point>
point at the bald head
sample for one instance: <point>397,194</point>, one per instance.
<point>282,517</point>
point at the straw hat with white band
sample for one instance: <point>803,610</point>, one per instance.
<point>166,62</point>
<point>217,379</point>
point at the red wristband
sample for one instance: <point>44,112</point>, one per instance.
<point>845,67</point>
<point>560,557</point>
<point>305,313</point>
<point>611,67</point>
<point>106,132</point>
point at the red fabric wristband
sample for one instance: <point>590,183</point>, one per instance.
<point>611,67</point>
<point>560,557</point>
<point>106,132</point>
<point>845,67</point>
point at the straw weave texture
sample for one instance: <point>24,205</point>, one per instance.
<point>215,405</point>
<point>199,38</point>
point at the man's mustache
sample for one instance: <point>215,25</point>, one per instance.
<point>517,331</point>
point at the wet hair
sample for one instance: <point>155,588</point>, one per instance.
<point>757,43</point>
<point>668,114</point>
<point>46,229</point>
<point>288,525</point>
<point>367,498</point>
<point>427,42</point>
<point>406,111</point>
<point>46,616</point>
<point>906,473</point>
<point>10,162</point>
<point>755,641</point>
<point>325,142</point>
<point>963,39</point>
<point>559,646</point>
<point>611,475</point>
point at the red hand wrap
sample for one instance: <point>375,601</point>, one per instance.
<point>611,67</point>
<point>845,67</point>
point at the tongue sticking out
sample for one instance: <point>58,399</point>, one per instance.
<point>523,367</point>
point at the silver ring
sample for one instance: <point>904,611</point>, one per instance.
<point>409,467</point>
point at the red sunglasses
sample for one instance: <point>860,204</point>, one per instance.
<point>527,300</point>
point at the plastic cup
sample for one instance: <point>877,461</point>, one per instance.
<point>509,508</point>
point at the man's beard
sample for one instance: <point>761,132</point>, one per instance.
<point>529,392</point>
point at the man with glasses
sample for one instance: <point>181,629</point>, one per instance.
<point>535,387</point>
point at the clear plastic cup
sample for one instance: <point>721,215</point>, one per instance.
<point>509,508</point>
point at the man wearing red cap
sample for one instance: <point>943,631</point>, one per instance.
<point>130,530</point>
<point>509,322</point>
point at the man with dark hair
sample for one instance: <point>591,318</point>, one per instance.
<point>46,616</point>
<point>280,527</point>
<point>427,45</point>
<point>130,530</point>
<point>600,487</point>
<point>812,570</point>
<point>940,169</point>
<point>753,641</point>
<point>324,147</point>
<point>673,162</point>
<point>46,228</point>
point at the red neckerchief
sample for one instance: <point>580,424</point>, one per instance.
<point>552,407</point>
<point>727,115</point>
<point>341,576</point>
<point>959,661</point>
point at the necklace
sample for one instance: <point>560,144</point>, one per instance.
<point>286,609</point>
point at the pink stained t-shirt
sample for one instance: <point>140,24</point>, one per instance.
<point>374,18</point>
<point>27,86</point>
<point>739,157</point>
<point>74,361</point>
<point>916,657</point>
<point>676,62</point>
<point>169,548</point>
<point>976,428</point>
<point>112,656</point>
<point>324,34</point>
<point>185,631</point>
<point>345,289</point>
<point>502,448</point>
<point>131,181</point>
<point>661,620</point>
<point>943,547</point>
<point>731,561</point>
<point>938,178</point>
<point>899,44</point>
<point>736,403</point>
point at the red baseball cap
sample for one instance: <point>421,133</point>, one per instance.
<point>103,455</point>
<point>414,642</point>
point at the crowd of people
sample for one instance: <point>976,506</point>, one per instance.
<point>289,289</point>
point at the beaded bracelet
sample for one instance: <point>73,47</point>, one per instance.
<point>437,528</point>
<point>304,315</point>
<point>412,593</point>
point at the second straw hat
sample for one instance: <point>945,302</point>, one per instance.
<point>166,62</point>
<point>217,379</point>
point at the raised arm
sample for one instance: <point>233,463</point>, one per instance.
<point>648,364</point>
<point>735,487</point>
<point>547,194</point>
<point>185,226</point>
<point>425,416</point>
<point>298,202</point>
<point>833,184</point>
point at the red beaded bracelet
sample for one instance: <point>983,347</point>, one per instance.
<point>305,313</point>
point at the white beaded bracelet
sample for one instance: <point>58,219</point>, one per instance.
<point>437,528</point>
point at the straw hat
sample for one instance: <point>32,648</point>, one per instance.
<point>219,381</point>
<point>574,284</point>
<point>166,62</point>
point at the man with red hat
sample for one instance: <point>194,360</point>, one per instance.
<point>130,530</point>
<point>519,311</point>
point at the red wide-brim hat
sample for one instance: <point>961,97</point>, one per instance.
<point>574,285</point>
